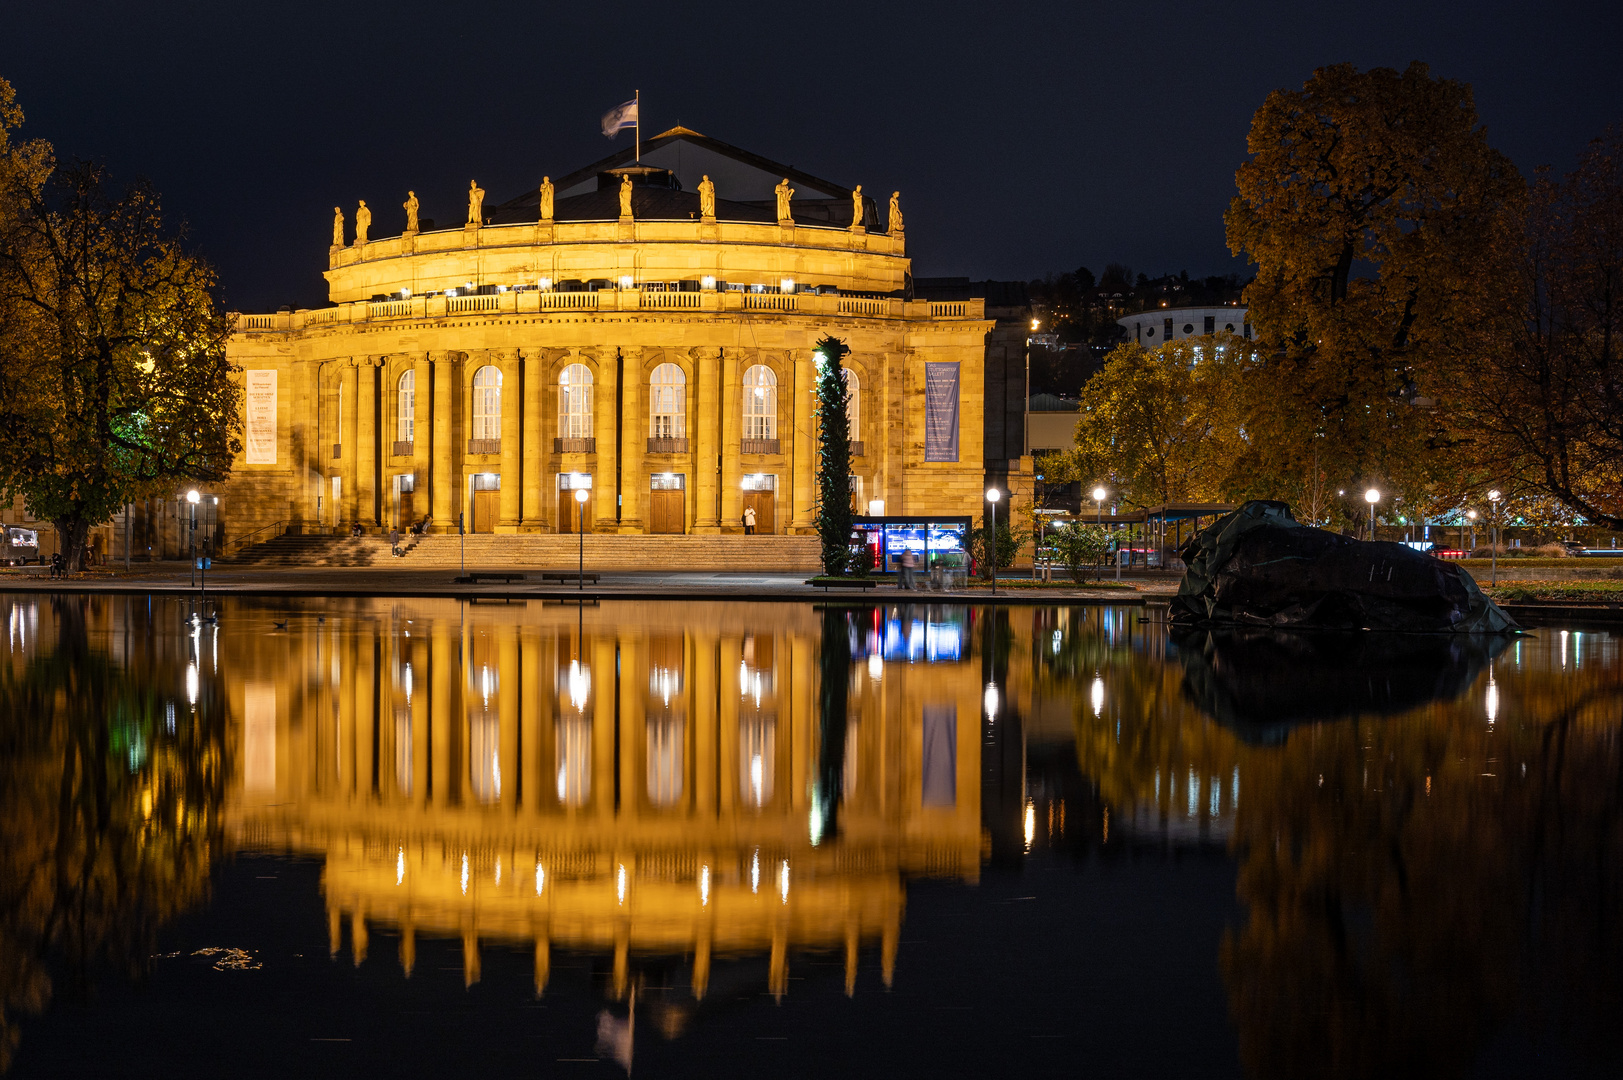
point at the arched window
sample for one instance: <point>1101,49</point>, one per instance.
<point>575,402</point>
<point>853,403</point>
<point>406,406</point>
<point>487,403</point>
<point>668,403</point>
<point>760,403</point>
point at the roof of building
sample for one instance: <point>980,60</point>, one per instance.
<point>1053,403</point>
<point>995,293</point>
<point>744,187</point>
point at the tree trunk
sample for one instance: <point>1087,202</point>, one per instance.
<point>72,534</point>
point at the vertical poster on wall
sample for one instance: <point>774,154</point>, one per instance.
<point>940,412</point>
<point>261,425</point>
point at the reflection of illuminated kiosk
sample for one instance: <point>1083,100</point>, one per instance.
<point>940,542</point>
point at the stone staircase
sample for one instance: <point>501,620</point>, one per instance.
<point>545,551</point>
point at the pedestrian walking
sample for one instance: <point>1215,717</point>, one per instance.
<point>394,541</point>
<point>909,560</point>
<point>749,521</point>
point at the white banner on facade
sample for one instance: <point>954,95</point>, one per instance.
<point>261,426</point>
<point>940,412</point>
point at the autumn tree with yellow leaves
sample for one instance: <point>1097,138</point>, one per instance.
<point>113,380</point>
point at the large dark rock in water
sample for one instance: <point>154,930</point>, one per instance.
<point>1259,566</point>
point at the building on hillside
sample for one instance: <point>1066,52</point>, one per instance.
<point>641,331</point>
<point>1158,326</point>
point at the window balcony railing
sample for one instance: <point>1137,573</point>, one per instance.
<point>574,446</point>
<point>404,448</point>
<point>760,446</point>
<point>667,445</point>
<point>484,446</point>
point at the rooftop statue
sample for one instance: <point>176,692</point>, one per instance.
<point>337,227</point>
<point>625,196</point>
<point>363,222</point>
<point>410,206</point>
<point>784,193</point>
<point>856,208</point>
<point>546,198</point>
<point>894,226</point>
<point>707,198</point>
<point>476,203</point>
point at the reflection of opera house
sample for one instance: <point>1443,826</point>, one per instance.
<point>642,331</point>
<point>546,777</point>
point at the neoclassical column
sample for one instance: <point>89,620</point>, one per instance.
<point>366,439</point>
<point>805,376</point>
<point>535,508</point>
<point>702,427</point>
<point>731,406</point>
<point>345,426</point>
<point>447,389</point>
<point>608,447</point>
<point>422,434</point>
<point>508,363</point>
<point>305,439</point>
<point>633,447</point>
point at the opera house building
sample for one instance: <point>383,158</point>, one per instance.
<point>643,330</point>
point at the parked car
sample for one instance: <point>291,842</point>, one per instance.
<point>21,546</point>
<point>1573,547</point>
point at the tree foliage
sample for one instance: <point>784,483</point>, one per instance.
<point>113,378</point>
<point>1545,396</point>
<point>834,457</point>
<point>1161,425</point>
<point>1374,210</point>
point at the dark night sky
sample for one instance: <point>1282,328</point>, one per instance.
<point>1025,138</point>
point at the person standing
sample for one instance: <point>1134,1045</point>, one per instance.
<point>749,521</point>
<point>394,541</point>
<point>908,561</point>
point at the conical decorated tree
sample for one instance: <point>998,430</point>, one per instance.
<point>834,457</point>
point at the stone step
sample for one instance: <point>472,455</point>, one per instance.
<point>604,551</point>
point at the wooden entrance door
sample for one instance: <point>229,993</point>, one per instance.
<point>762,502</point>
<point>487,505</point>
<point>406,516</point>
<point>665,513</point>
<point>573,516</point>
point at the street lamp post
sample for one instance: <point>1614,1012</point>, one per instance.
<point>192,498</point>
<point>992,495</point>
<point>1099,494</point>
<point>1372,497</point>
<point>1470,516</point>
<point>581,495</point>
<point>1493,536</point>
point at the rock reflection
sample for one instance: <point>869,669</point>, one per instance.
<point>112,781</point>
<point>1258,683</point>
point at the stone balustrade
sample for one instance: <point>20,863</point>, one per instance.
<point>534,301</point>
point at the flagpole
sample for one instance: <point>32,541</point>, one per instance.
<point>638,129</point>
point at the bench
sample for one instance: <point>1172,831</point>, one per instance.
<point>843,583</point>
<point>492,575</point>
<point>565,577</point>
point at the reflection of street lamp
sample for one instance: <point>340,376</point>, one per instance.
<point>581,495</point>
<point>1493,536</point>
<point>1372,497</point>
<point>992,495</point>
<point>1099,494</point>
<point>191,537</point>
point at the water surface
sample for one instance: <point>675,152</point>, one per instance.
<point>428,838</point>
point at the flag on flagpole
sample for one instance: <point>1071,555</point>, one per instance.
<point>619,118</point>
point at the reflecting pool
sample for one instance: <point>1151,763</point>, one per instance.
<point>426,837</point>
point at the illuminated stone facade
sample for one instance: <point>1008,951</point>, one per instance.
<point>663,359</point>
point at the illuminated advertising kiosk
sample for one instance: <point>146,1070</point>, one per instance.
<point>940,542</point>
